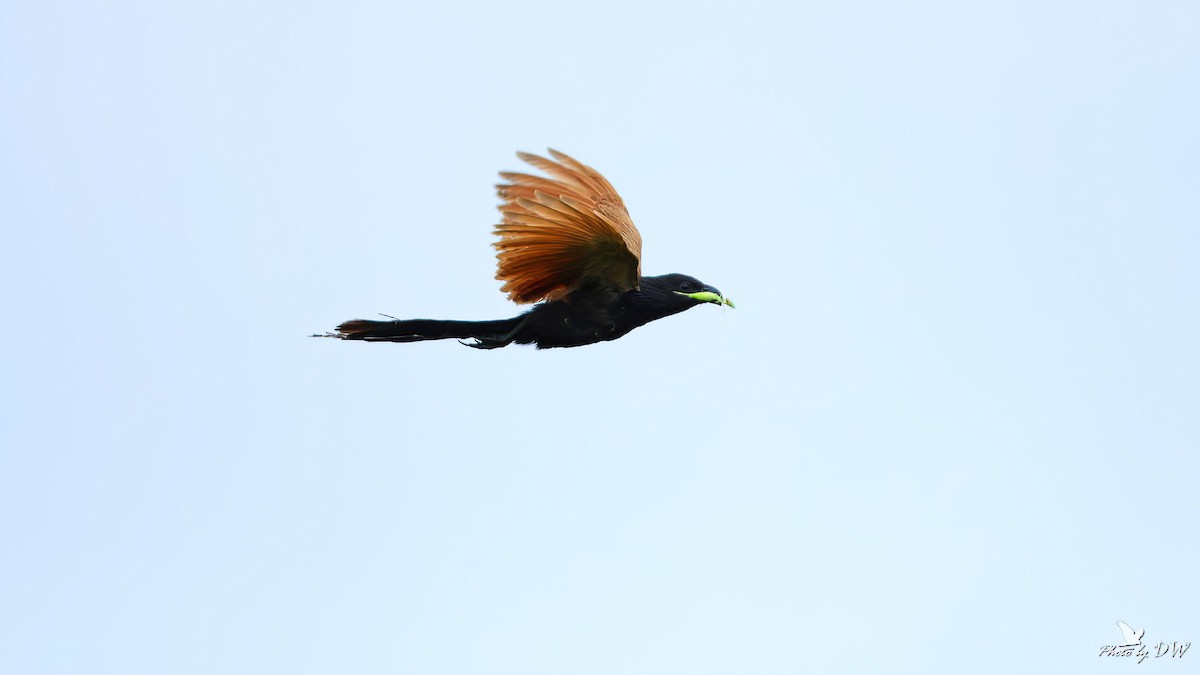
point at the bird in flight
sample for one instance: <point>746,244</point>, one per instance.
<point>568,244</point>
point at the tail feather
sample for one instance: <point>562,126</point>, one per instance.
<point>489,333</point>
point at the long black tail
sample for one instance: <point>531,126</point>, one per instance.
<point>488,334</point>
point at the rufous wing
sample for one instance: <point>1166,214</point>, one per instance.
<point>563,231</point>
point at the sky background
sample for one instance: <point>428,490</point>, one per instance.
<point>951,427</point>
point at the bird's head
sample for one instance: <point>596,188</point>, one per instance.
<point>680,292</point>
<point>669,294</point>
<point>696,290</point>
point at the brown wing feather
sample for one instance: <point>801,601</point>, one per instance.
<point>561,232</point>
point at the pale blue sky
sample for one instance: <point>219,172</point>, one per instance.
<point>951,427</point>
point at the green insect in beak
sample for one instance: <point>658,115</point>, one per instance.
<point>709,296</point>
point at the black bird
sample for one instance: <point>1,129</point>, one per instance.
<point>568,244</point>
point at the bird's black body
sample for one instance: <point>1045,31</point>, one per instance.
<point>589,314</point>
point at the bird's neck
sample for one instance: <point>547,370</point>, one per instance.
<point>651,302</point>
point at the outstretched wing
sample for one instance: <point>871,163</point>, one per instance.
<point>563,232</point>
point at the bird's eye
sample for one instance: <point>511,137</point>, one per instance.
<point>685,286</point>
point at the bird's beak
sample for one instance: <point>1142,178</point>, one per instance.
<point>709,296</point>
